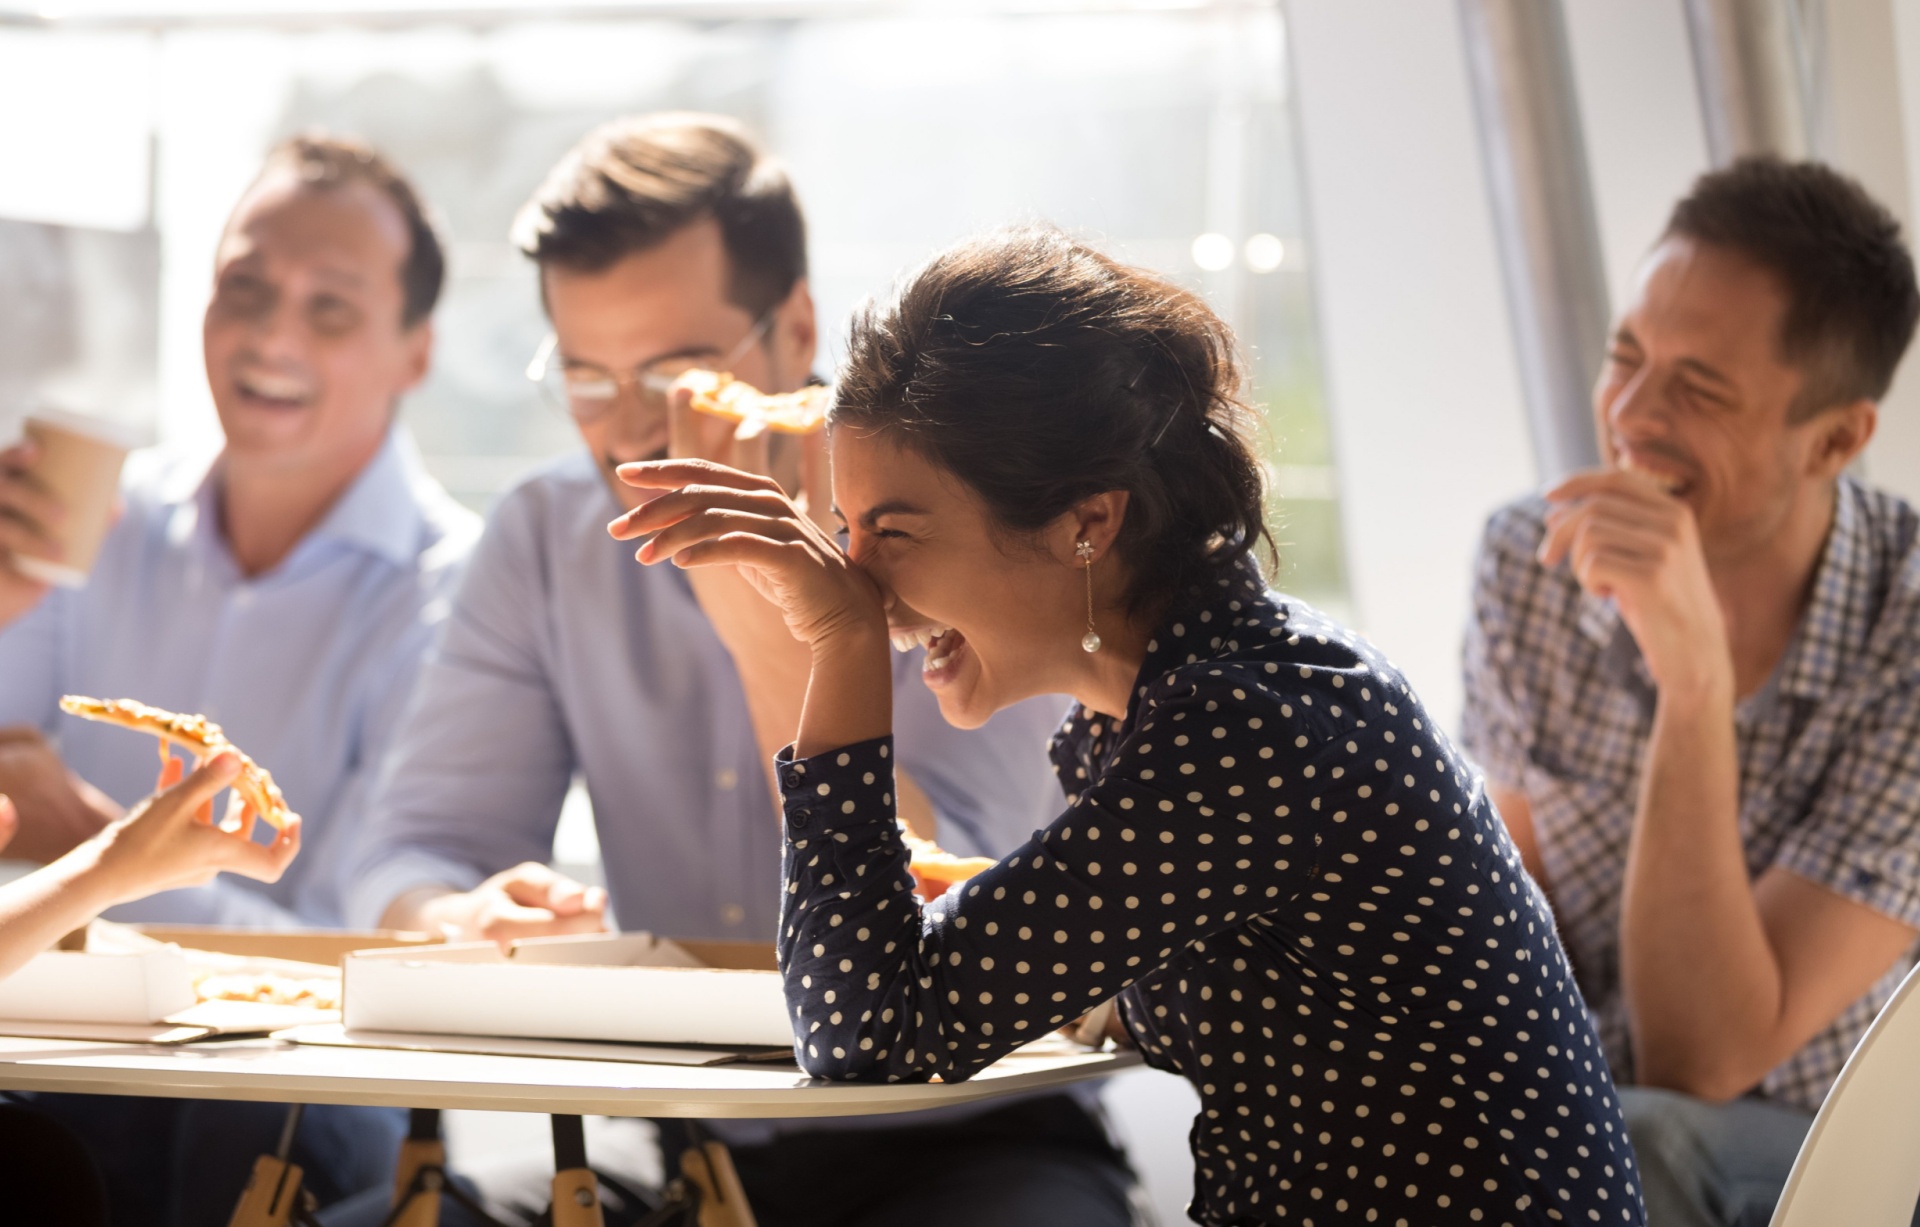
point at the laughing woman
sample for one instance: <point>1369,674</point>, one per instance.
<point>1287,876</point>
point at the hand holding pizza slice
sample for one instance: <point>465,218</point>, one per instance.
<point>198,736</point>
<point>792,413</point>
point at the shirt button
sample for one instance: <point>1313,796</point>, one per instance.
<point>725,779</point>
<point>733,913</point>
<point>242,597</point>
<point>791,780</point>
<point>799,818</point>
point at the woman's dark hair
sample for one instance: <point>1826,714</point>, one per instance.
<point>1041,372</point>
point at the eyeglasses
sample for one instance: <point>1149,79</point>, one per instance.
<point>587,391</point>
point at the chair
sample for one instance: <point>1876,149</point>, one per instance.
<point>1860,1164</point>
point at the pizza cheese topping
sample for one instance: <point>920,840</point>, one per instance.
<point>934,869</point>
<point>197,735</point>
<point>791,413</point>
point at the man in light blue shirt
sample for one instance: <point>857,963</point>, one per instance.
<point>306,666</point>
<point>287,588</point>
<point>666,244</point>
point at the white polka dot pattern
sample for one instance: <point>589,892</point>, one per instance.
<point>1305,906</point>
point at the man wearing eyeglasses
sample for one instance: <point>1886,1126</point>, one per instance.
<point>664,244</point>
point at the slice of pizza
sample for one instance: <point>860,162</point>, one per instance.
<point>935,870</point>
<point>791,413</point>
<point>197,735</point>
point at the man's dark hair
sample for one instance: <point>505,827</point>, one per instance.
<point>323,161</point>
<point>633,182</point>
<point>1849,281</point>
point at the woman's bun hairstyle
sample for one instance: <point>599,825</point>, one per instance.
<point>1041,372</point>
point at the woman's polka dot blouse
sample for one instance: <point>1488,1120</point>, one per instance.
<point>1306,907</point>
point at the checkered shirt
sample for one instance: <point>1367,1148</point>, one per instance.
<point>1560,706</point>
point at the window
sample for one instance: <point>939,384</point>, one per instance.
<point>1163,134</point>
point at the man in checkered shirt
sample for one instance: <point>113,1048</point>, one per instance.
<point>1693,680</point>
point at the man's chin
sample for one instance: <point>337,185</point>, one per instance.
<point>267,436</point>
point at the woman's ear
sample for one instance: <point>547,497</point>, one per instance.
<point>1096,519</point>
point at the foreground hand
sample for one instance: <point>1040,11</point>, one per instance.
<point>751,628</point>
<point>27,510</point>
<point>716,516</point>
<point>528,900</point>
<point>167,842</point>
<point>1628,539</point>
<point>56,809</point>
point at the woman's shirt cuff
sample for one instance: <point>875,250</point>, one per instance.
<point>844,790</point>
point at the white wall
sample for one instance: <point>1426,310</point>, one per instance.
<point>1640,114</point>
<point>1874,57</point>
<point>1423,390</point>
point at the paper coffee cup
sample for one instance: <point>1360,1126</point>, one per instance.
<point>79,462</point>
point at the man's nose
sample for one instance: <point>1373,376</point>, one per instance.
<point>278,332</point>
<point>639,423</point>
<point>1637,407</point>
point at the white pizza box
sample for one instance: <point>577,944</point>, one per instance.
<point>132,974</point>
<point>77,986</point>
<point>633,987</point>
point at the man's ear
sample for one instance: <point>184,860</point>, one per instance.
<point>1841,434</point>
<point>419,354</point>
<point>796,334</point>
<point>1096,519</point>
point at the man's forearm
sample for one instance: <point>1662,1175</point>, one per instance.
<point>1702,987</point>
<point>772,664</point>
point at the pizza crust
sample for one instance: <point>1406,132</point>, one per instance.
<point>935,870</point>
<point>198,736</point>
<point>790,413</point>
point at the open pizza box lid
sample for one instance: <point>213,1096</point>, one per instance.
<point>631,987</point>
<point>112,981</point>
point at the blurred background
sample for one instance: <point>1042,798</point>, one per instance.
<point>1164,134</point>
<point>1417,214</point>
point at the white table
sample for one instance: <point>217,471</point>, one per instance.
<point>275,1071</point>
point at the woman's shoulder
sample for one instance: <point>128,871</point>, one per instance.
<point>1271,653</point>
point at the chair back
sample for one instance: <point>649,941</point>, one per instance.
<point>1860,1164</point>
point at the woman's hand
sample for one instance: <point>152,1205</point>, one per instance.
<point>717,516</point>
<point>170,840</point>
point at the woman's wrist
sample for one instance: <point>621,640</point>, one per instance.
<point>849,691</point>
<point>90,880</point>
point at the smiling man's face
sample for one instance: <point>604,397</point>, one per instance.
<point>306,347</point>
<point>1696,391</point>
<point>666,302</point>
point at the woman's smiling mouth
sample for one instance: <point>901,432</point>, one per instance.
<point>943,645</point>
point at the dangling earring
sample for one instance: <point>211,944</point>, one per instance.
<point>1089,642</point>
